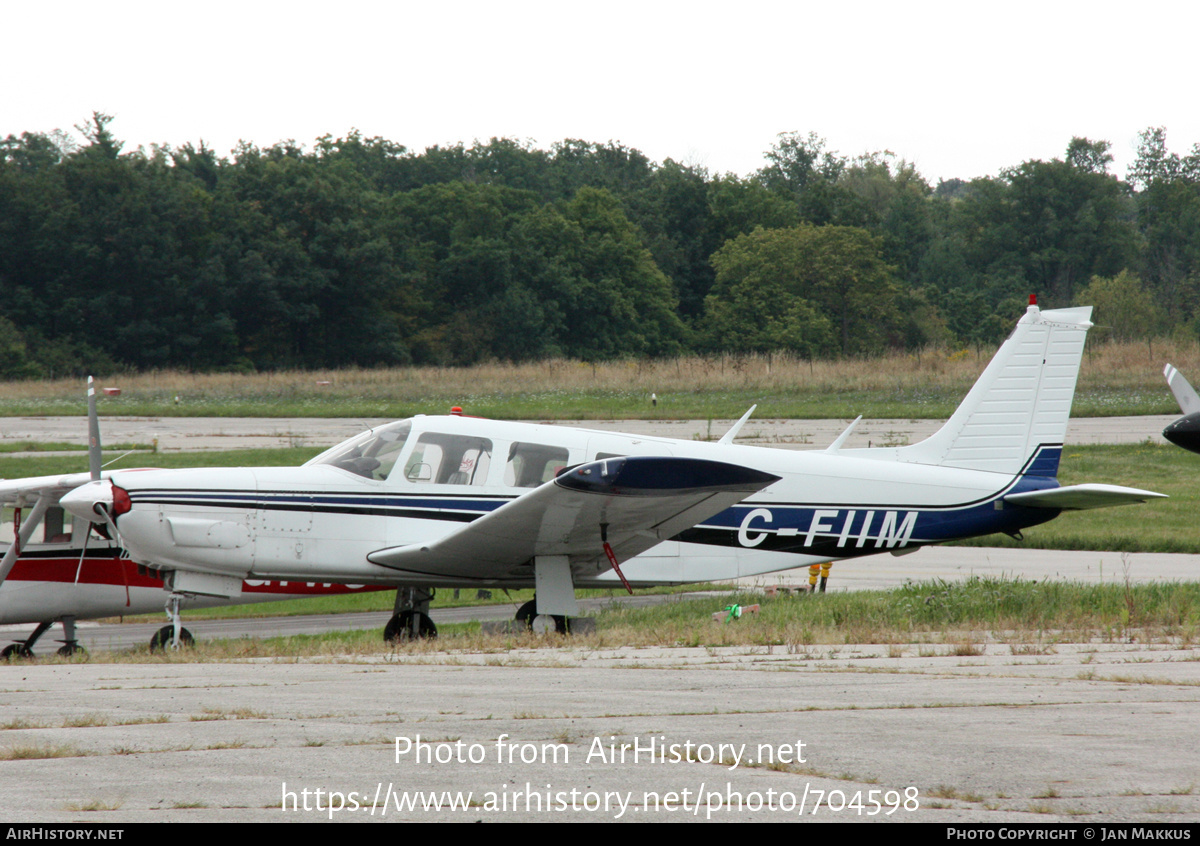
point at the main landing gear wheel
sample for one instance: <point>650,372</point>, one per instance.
<point>163,637</point>
<point>69,649</point>
<point>541,623</point>
<point>15,650</point>
<point>408,625</point>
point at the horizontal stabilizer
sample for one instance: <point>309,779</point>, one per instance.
<point>1080,497</point>
<point>640,500</point>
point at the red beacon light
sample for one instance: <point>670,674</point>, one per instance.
<point>1033,299</point>
<point>456,411</point>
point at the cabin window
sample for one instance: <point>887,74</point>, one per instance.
<point>529,465</point>
<point>55,527</point>
<point>444,459</point>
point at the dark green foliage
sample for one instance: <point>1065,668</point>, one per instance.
<point>361,252</point>
<point>809,289</point>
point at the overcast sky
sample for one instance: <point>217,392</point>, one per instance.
<point>962,89</point>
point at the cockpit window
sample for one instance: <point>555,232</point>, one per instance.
<point>372,454</point>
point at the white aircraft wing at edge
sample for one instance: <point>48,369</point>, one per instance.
<point>29,489</point>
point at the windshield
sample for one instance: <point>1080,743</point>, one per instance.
<point>372,454</point>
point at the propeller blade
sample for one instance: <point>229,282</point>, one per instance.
<point>94,461</point>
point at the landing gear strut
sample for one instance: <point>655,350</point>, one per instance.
<point>410,617</point>
<point>24,648</point>
<point>173,635</point>
<point>70,645</point>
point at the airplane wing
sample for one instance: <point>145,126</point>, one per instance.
<point>33,487</point>
<point>639,500</point>
<point>1080,497</point>
<point>41,492</point>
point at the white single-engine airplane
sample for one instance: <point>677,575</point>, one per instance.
<point>463,502</point>
<point>73,570</point>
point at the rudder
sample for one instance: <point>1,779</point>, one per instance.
<point>1014,419</point>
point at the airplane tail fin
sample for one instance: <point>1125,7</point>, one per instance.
<point>1014,419</point>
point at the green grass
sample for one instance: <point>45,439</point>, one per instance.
<point>48,465</point>
<point>35,446</point>
<point>1159,526</point>
<point>52,446</point>
<point>965,618</point>
<point>975,605</point>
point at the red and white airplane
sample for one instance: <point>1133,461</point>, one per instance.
<point>71,570</point>
<point>463,502</point>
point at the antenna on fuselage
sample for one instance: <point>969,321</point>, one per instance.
<point>841,439</point>
<point>728,437</point>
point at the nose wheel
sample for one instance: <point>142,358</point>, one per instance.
<point>164,639</point>
<point>172,635</point>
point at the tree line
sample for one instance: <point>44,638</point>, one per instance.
<point>361,252</point>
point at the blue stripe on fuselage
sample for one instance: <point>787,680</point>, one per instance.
<point>834,530</point>
<point>844,531</point>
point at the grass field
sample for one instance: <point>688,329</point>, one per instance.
<point>968,618</point>
<point>1116,379</point>
<point>989,608</point>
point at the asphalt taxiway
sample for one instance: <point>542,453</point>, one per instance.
<point>970,727</point>
<point>954,726</point>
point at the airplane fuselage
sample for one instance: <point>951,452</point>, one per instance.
<point>50,583</point>
<point>321,521</point>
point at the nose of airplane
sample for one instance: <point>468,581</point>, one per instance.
<point>1185,432</point>
<point>82,501</point>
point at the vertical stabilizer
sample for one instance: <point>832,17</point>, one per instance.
<point>1020,403</point>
